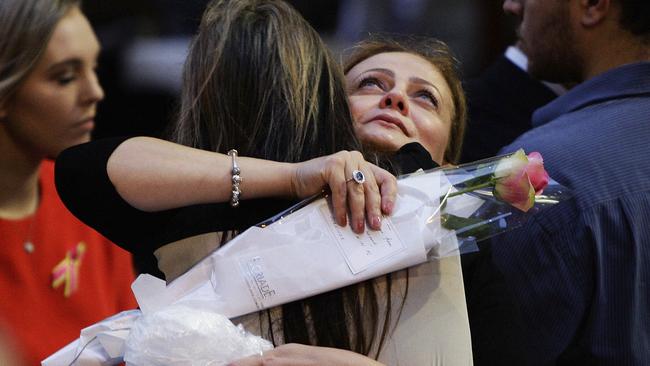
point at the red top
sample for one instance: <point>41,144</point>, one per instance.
<point>72,278</point>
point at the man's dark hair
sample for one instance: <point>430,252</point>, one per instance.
<point>635,17</point>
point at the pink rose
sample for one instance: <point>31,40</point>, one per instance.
<point>519,178</point>
<point>536,173</point>
<point>516,190</point>
<point>516,180</point>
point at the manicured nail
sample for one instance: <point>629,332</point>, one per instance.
<point>387,207</point>
<point>359,225</point>
<point>376,222</point>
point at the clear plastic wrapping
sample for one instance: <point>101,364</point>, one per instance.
<point>486,198</point>
<point>189,334</point>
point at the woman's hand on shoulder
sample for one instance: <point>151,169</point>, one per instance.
<point>298,354</point>
<point>364,202</point>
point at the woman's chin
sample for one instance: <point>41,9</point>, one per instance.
<point>383,143</point>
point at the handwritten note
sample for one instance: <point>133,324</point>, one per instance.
<point>361,251</point>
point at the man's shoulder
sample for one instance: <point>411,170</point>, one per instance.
<point>608,137</point>
<point>612,120</point>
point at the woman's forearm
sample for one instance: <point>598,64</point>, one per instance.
<point>153,175</point>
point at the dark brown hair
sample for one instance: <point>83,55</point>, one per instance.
<point>259,79</point>
<point>440,56</point>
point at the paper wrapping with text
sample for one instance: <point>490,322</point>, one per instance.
<point>306,253</point>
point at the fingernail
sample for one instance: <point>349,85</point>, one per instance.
<point>387,207</point>
<point>376,223</point>
<point>359,226</point>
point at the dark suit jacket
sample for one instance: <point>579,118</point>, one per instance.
<point>500,105</point>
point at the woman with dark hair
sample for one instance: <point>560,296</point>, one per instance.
<point>57,275</point>
<point>259,79</point>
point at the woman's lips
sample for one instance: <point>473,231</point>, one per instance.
<point>390,121</point>
<point>87,124</point>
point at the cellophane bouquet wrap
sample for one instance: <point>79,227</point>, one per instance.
<point>492,196</point>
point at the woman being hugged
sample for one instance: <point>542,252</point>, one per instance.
<point>405,91</point>
<point>57,275</point>
<point>407,102</point>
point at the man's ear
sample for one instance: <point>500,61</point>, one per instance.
<point>593,12</point>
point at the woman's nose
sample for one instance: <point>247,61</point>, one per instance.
<point>93,92</point>
<point>395,101</point>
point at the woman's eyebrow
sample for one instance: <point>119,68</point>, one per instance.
<point>74,62</point>
<point>378,69</point>
<point>417,80</point>
<point>382,70</point>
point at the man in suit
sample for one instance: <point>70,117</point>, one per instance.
<point>580,271</point>
<point>501,102</point>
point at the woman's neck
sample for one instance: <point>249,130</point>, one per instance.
<point>18,179</point>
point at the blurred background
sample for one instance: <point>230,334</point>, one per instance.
<point>144,43</point>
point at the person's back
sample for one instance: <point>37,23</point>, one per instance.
<point>598,242</point>
<point>579,269</point>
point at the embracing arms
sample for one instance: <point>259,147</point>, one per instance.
<point>154,175</point>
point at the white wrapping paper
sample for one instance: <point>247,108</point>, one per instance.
<point>301,255</point>
<point>306,253</point>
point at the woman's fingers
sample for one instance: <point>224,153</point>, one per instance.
<point>303,355</point>
<point>248,361</point>
<point>285,355</point>
<point>333,175</point>
<point>372,198</point>
<point>356,182</point>
<point>387,184</point>
<point>363,200</point>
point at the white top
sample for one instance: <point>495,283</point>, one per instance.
<point>517,57</point>
<point>433,328</point>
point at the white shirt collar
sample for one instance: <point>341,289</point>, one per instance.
<point>517,57</point>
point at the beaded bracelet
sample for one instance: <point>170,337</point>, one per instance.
<point>236,179</point>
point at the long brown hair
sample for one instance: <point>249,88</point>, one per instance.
<point>259,79</point>
<point>440,56</point>
<point>26,27</point>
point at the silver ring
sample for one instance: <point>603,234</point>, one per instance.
<point>357,176</point>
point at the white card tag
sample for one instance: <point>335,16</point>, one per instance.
<point>363,251</point>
